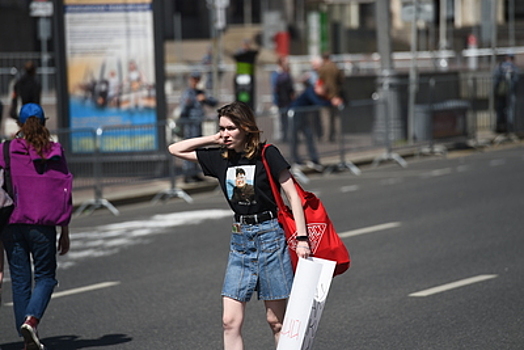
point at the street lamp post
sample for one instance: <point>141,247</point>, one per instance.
<point>218,15</point>
<point>443,41</point>
<point>494,9</point>
<point>413,72</point>
<point>387,86</point>
<point>43,10</point>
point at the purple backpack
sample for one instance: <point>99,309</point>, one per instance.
<point>42,187</point>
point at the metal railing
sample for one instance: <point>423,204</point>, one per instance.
<point>449,110</point>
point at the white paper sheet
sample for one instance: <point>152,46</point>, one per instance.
<point>306,303</point>
<point>319,301</point>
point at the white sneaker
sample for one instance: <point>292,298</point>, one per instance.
<point>30,334</point>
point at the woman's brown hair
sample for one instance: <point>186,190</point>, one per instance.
<point>36,134</point>
<point>243,117</point>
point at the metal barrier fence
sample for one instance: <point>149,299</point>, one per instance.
<point>115,155</point>
<point>446,110</point>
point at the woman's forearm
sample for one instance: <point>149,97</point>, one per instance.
<point>185,149</point>
<point>298,214</point>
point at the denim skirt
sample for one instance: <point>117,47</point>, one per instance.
<point>258,261</point>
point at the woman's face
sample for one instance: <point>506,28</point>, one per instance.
<point>233,137</point>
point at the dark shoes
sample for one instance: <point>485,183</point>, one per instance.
<point>30,334</point>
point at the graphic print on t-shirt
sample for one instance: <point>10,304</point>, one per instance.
<point>240,181</point>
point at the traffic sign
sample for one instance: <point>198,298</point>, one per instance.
<point>425,12</point>
<point>41,9</point>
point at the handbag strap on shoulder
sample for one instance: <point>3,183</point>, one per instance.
<point>273,184</point>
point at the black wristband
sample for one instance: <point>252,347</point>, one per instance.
<point>302,238</point>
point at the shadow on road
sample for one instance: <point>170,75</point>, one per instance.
<point>72,342</point>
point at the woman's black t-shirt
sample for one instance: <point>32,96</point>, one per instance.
<point>244,181</point>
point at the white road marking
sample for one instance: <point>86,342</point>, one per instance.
<point>452,285</point>
<point>369,229</point>
<point>391,181</point>
<point>352,188</point>
<point>110,239</point>
<point>105,240</point>
<point>497,162</point>
<point>437,172</point>
<point>85,289</point>
<point>462,168</point>
<point>80,290</point>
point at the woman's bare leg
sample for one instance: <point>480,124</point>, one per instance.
<point>275,310</point>
<point>233,319</point>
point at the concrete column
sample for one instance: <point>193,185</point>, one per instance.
<point>388,124</point>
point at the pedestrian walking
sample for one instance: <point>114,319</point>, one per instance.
<point>310,79</point>
<point>251,265</point>
<point>283,93</point>
<point>42,195</point>
<point>312,96</point>
<point>27,89</point>
<point>332,79</point>
<point>192,114</point>
<point>505,79</point>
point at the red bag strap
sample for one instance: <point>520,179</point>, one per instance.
<point>273,184</point>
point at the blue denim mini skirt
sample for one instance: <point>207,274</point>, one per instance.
<point>258,261</point>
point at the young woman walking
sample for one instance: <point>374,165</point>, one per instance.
<point>259,258</point>
<point>42,196</point>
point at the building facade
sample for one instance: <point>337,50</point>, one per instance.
<point>348,25</point>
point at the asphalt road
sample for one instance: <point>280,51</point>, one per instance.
<point>437,264</point>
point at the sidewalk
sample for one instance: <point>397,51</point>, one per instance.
<point>136,192</point>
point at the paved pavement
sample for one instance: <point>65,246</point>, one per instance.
<point>134,192</point>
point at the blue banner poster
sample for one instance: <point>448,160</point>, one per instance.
<point>110,57</point>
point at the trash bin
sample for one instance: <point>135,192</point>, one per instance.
<point>447,119</point>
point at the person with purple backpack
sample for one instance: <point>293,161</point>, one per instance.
<point>42,197</point>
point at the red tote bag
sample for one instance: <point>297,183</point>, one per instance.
<point>324,240</point>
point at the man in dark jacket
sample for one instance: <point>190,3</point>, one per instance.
<point>192,114</point>
<point>27,89</point>
<point>505,78</point>
<point>283,93</point>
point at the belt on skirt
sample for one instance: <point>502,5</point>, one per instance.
<point>255,218</point>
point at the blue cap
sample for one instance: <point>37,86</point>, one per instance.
<point>31,110</point>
